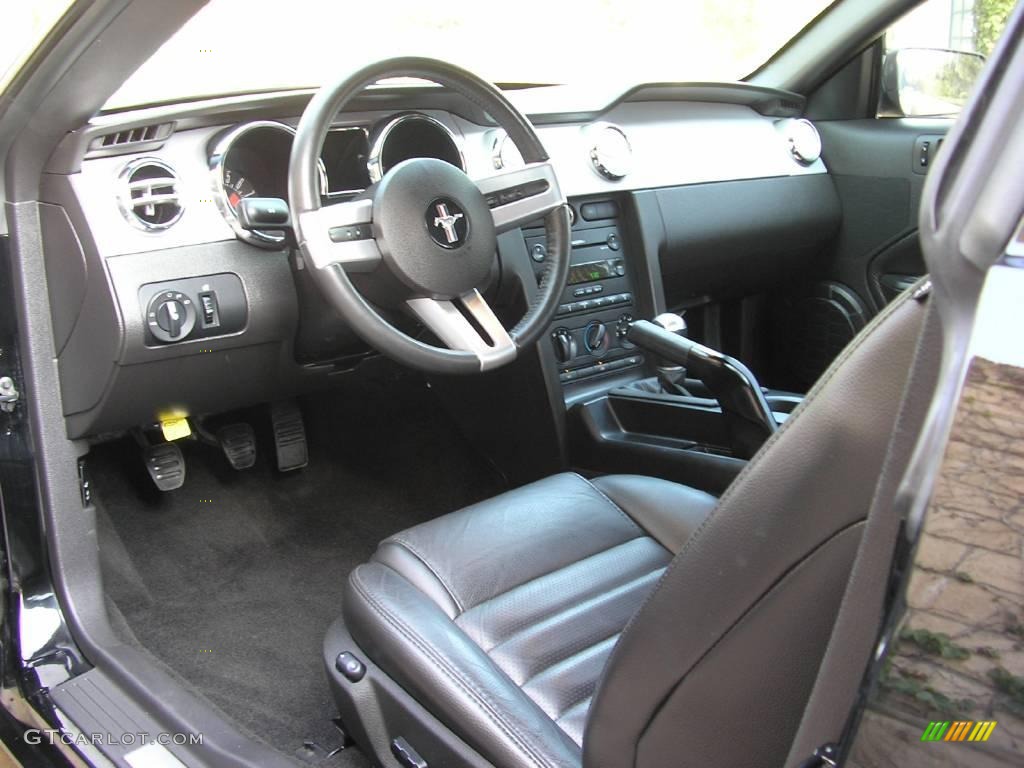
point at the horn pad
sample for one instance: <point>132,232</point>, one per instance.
<point>434,229</point>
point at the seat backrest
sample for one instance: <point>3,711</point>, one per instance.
<point>715,668</point>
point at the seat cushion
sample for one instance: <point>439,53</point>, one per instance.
<point>499,618</point>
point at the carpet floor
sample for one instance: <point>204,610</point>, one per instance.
<point>232,580</point>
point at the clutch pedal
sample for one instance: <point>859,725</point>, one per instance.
<point>166,465</point>
<point>289,436</point>
<point>238,441</point>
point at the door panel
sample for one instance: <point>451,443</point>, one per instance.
<point>876,165</point>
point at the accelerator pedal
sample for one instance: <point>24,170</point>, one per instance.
<point>238,441</point>
<point>289,436</point>
<point>166,465</point>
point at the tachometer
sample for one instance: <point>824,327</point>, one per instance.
<point>237,187</point>
<point>251,160</point>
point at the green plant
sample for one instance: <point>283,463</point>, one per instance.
<point>932,700</point>
<point>913,684</point>
<point>1011,685</point>
<point>989,21</point>
<point>964,577</point>
<point>935,643</point>
<point>1007,682</point>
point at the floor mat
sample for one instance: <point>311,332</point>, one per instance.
<point>233,580</point>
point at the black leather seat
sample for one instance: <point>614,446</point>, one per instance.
<point>628,621</point>
<point>514,623</point>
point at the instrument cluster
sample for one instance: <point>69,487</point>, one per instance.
<point>252,159</point>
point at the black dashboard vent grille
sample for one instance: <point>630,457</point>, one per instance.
<point>148,195</point>
<point>130,139</point>
<point>132,135</point>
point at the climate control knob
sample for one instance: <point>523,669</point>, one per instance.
<point>595,337</point>
<point>565,345</point>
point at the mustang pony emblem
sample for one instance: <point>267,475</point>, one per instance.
<point>446,220</point>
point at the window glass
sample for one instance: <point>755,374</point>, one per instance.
<point>237,46</point>
<point>23,28</point>
<point>934,54</point>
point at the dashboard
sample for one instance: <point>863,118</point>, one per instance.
<point>168,302</point>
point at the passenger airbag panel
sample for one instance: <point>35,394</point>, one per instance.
<point>738,237</point>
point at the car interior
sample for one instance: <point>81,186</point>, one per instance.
<point>415,420</point>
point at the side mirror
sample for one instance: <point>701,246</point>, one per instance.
<point>927,82</point>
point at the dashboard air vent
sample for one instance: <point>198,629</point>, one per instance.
<point>148,194</point>
<point>610,150</point>
<point>802,138</point>
<point>142,137</point>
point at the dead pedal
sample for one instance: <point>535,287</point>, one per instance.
<point>238,441</point>
<point>289,436</point>
<point>166,465</point>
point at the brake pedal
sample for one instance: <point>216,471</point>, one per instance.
<point>238,441</point>
<point>289,436</point>
<point>166,465</point>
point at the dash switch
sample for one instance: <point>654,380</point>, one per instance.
<point>209,310</point>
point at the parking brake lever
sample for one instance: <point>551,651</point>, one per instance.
<point>749,419</point>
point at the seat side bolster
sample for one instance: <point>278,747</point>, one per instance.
<point>668,512</point>
<point>409,634</point>
<point>418,572</point>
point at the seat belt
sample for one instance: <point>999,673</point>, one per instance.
<point>830,715</point>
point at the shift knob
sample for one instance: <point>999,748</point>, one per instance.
<point>671,374</point>
<point>672,323</point>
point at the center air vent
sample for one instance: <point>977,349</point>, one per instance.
<point>148,194</point>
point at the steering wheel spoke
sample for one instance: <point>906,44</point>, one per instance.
<point>522,195</point>
<point>342,234</point>
<point>467,324</point>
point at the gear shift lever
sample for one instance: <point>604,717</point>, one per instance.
<point>747,414</point>
<point>671,373</point>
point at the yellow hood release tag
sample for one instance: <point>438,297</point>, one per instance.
<point>175,429</point>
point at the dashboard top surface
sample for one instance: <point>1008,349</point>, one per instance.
<point>674,142</point>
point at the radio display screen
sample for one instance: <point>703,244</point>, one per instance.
<point>588,273</point>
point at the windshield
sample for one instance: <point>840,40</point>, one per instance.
<point>234,46</point>
<point>24,27</point>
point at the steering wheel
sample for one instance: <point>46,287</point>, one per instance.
<point>428,231</point>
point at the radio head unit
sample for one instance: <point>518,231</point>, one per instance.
<point>592,271</point>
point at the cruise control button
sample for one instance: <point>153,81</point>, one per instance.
<point>349,233</point>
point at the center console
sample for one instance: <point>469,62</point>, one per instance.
<point>588,334</point>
